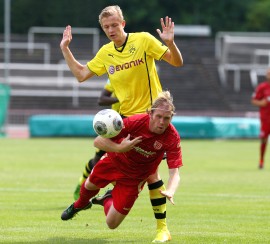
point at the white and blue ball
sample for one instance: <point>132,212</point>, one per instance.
<point>107,123</point>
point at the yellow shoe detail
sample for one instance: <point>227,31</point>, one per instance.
<point>162,236</point>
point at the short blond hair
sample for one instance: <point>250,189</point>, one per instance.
<point>164,97</point>
<point>110,11</point>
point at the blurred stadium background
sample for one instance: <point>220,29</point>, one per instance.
<point>225,56</point>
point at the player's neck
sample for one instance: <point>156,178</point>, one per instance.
<point>122,41</point>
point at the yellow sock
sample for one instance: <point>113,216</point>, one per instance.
<point>158,202</point>
<point>81,180</point>
<point>86,173</point>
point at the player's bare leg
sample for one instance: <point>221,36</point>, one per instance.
<point>262,151</point>
<point>114,218</point>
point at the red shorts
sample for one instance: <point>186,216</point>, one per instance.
<point>265,129</point>
<point>125,191</point>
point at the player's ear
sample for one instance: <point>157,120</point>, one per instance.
<point>123,23</point>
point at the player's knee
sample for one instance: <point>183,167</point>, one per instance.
<point>153,178</point>
<point>112,224</point>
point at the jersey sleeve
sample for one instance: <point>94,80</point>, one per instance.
<point>174,152</point>
<point>96,65</point>
<point>155,48</point>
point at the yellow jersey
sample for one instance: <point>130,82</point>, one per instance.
<point>131,70</point>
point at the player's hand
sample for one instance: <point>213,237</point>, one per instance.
<point>167,33</point>
<point>127,144</point>
<point>67,37</point>
<point>169,195</point>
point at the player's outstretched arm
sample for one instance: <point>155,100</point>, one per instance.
<point>173,183</point>
<point>81,72</point>
<point>108,145</point>
<point>173,55</point>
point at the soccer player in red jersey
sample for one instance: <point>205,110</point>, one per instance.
<point>131,158</point>
<point>129,61</point>
<point>261,98</point>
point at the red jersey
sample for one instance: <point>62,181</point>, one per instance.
<point>144,158</point>
<point>263,91</point>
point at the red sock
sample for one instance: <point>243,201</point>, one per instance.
<point>107,204</point>
<point>262,152</point>
<point>85,196</point>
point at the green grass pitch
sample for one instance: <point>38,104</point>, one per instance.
<point>222,198</point>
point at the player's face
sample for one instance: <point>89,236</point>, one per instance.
<point>113,27</point>
<point>160,119</point>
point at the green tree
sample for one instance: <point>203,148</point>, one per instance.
<point>221,15</point>
<point>258,17</point>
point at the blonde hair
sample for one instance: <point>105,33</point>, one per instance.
<point>164,97</point>
<point>110,11</point>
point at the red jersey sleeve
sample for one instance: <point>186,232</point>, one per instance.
<point>174,151</point>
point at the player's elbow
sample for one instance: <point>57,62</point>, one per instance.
<point>99,143</point>
<point>81,78</point>
<point>82,73</point>
<point>96,142</point>
<point>179,63</point>
<point>112,223</point>
<point>101,102</point>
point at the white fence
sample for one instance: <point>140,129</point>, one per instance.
<point>25,45</point>
<point>242,51</point>
<point>34,85</point>
<point>192,30</point>
<point>33,77</point>
<point>59,30</point>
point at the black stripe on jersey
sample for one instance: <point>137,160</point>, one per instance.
<point>149,81</point>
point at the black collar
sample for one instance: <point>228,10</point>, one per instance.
<point>120,49</point>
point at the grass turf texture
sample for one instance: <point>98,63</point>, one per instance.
<point>222,198</point>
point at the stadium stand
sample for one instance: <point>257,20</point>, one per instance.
<point>51,89</point>
<point>239,52</point>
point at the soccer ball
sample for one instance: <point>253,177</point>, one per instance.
<point>107,123</point>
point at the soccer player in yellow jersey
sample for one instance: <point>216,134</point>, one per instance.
<point>129,62</point>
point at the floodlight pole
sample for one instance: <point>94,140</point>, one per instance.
<point>7,40</point>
